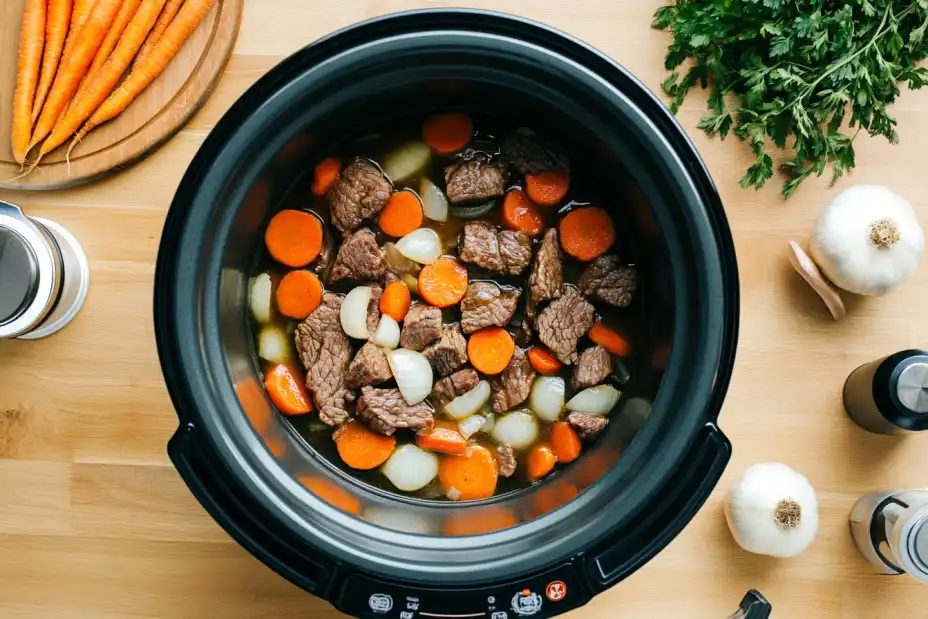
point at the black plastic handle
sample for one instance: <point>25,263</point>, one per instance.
<point>244,522</point>
<point>632,547</point>
<point>754,606</point>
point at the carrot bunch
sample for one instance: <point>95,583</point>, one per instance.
<point>82,62</point>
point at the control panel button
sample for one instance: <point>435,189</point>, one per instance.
<point>526,603</point>
<point>380,603</point>
<point>556,590</point>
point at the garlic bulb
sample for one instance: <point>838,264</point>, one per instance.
<point>772,511</point>
<point>868,241</point>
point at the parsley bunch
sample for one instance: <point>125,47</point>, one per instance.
<point>797,69</point>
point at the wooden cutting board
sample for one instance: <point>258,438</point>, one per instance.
<point>155,115</point>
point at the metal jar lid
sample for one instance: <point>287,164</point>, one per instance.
<point>912,387</point>
<point>31,272</point>
<point>909,540</point>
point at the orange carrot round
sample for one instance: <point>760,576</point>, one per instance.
<point>490,350</point>
<point>609,339</point>
<point>287,393</point>
<point>325,175</point>
<point>539,462</point>
<point>298,294</point>
<point>547,188</point>
<point>587,233</point>
<point>56,31</point>
<point>443,283</point>
<point>402,214</point>
<point>520,214</point>
<point>447,133</point>
<point>31,42</point>
<point>470,476</point>
<point>164,20</point>
<point>565,442</point>
<point>294,238</point>
<point>443,438</point>
<point>543,361</point>
<point>361,448</point>
<point>395,300</point>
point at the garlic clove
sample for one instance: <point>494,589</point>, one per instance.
<point>809,271</point>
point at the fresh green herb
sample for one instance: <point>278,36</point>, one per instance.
<point>796,69</point>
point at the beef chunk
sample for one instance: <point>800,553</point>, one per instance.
<point>506,459</point>
<point>587,426</point>
<point>359,258</point>
<point>486,305</point>
<point>513,385</point>
<point>369,367</point>
<point>373,308</point>
<point>547,276</point>
<point>452,386</point>
<point>506,252</point>
<point>593,367</point>
<point>474,180</point>
<point>421,326</point>
<point>565,321</point>
<point>360,192</point>
<point>606,280</point>
<point>449,353</point>
<point>385,410</point>
<point>325,352</point>
<point>530,154</point>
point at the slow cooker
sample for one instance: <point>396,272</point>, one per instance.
<point>533,553</point>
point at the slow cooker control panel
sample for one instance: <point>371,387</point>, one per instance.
<point>544,595</point>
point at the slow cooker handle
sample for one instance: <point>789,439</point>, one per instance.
<point>753,606</point>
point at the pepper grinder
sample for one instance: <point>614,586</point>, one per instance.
<point>890,395</point>
<point>44,275</point>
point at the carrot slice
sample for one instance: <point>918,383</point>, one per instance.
<point>587,233</point>
<point>443,438</point>
<point>547,188</point>
<point>565,442</point>
<point>520,214</point>
<point>540,462</point>
<point>443,283</point>
<point>544,361</point>
<point>395,300</point>
<point>360,448</point>
<point>402,214</point>
<point>294,238</point>
<point>490,350</point>
<point>298,294</point>
<point>609,339</point>
<point>287,393</point>
<point>325,175</point>
<point>470,476</point>
<point>447,133</point>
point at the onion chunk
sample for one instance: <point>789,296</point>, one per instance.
<point>387,334</point>
<point>547,397</point>
<point>434,202</point>
<point>405,161</point>
<point>422,245</point>
<point>410,468</point>
<point>260,298</point>
<point>273,344</point>
<point>413,374</point>
<point>518,429</point>
<point>469,403</point>
<point>598,400</point>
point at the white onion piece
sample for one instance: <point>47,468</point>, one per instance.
<point>434,202</point>
<point>471,425</point>
<point>413,374</point>
<point>547,397</point>
<point>488,424</point>
<point>387,334</point>
<point>260,297</point>
<point>598,400</point>
<point>397,261</point>
<point>518,429</point>
<point>353,314</point>
<point>421,245</point>
<point>406,160</point>
<point>469,403</point>
<point>410,468</point>
<point>273,344</point>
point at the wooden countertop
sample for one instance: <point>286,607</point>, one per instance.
<point>95,523</point>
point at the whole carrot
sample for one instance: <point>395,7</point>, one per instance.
<point>190,15</point>
<point>164,20</point>
<point>56,30</point>
<point>101,85</point>
<point>81,11</point>
<point>126,13</point>
<point>31,41</point>
<point>74,67</point>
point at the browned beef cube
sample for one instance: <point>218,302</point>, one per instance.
<point>506,459</point>
<point>608,281</point>
<point>325,352</point>
<point>513,385</point>
<point>547,277</point>
<point>474,180</point>
<point>421,326</point>
<point>587,426</point>
<point>486,305</point>
<point>360,192</point>
<point>563,322</point>
<point>369,367</point>
<point>449,353</point>
<point>452,386</point>
<point>593,367</point>
<point>507,252</point>
<point>385,410</point>
<point>359,258</point>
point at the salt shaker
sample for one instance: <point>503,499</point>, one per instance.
<point>890,395</point>
<point>44,275</point>
<point>890,528</point>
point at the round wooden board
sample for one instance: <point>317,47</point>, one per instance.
<point>155,115</point>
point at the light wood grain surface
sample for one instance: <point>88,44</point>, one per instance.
<point>94,522</point>
<point>155,115</point>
